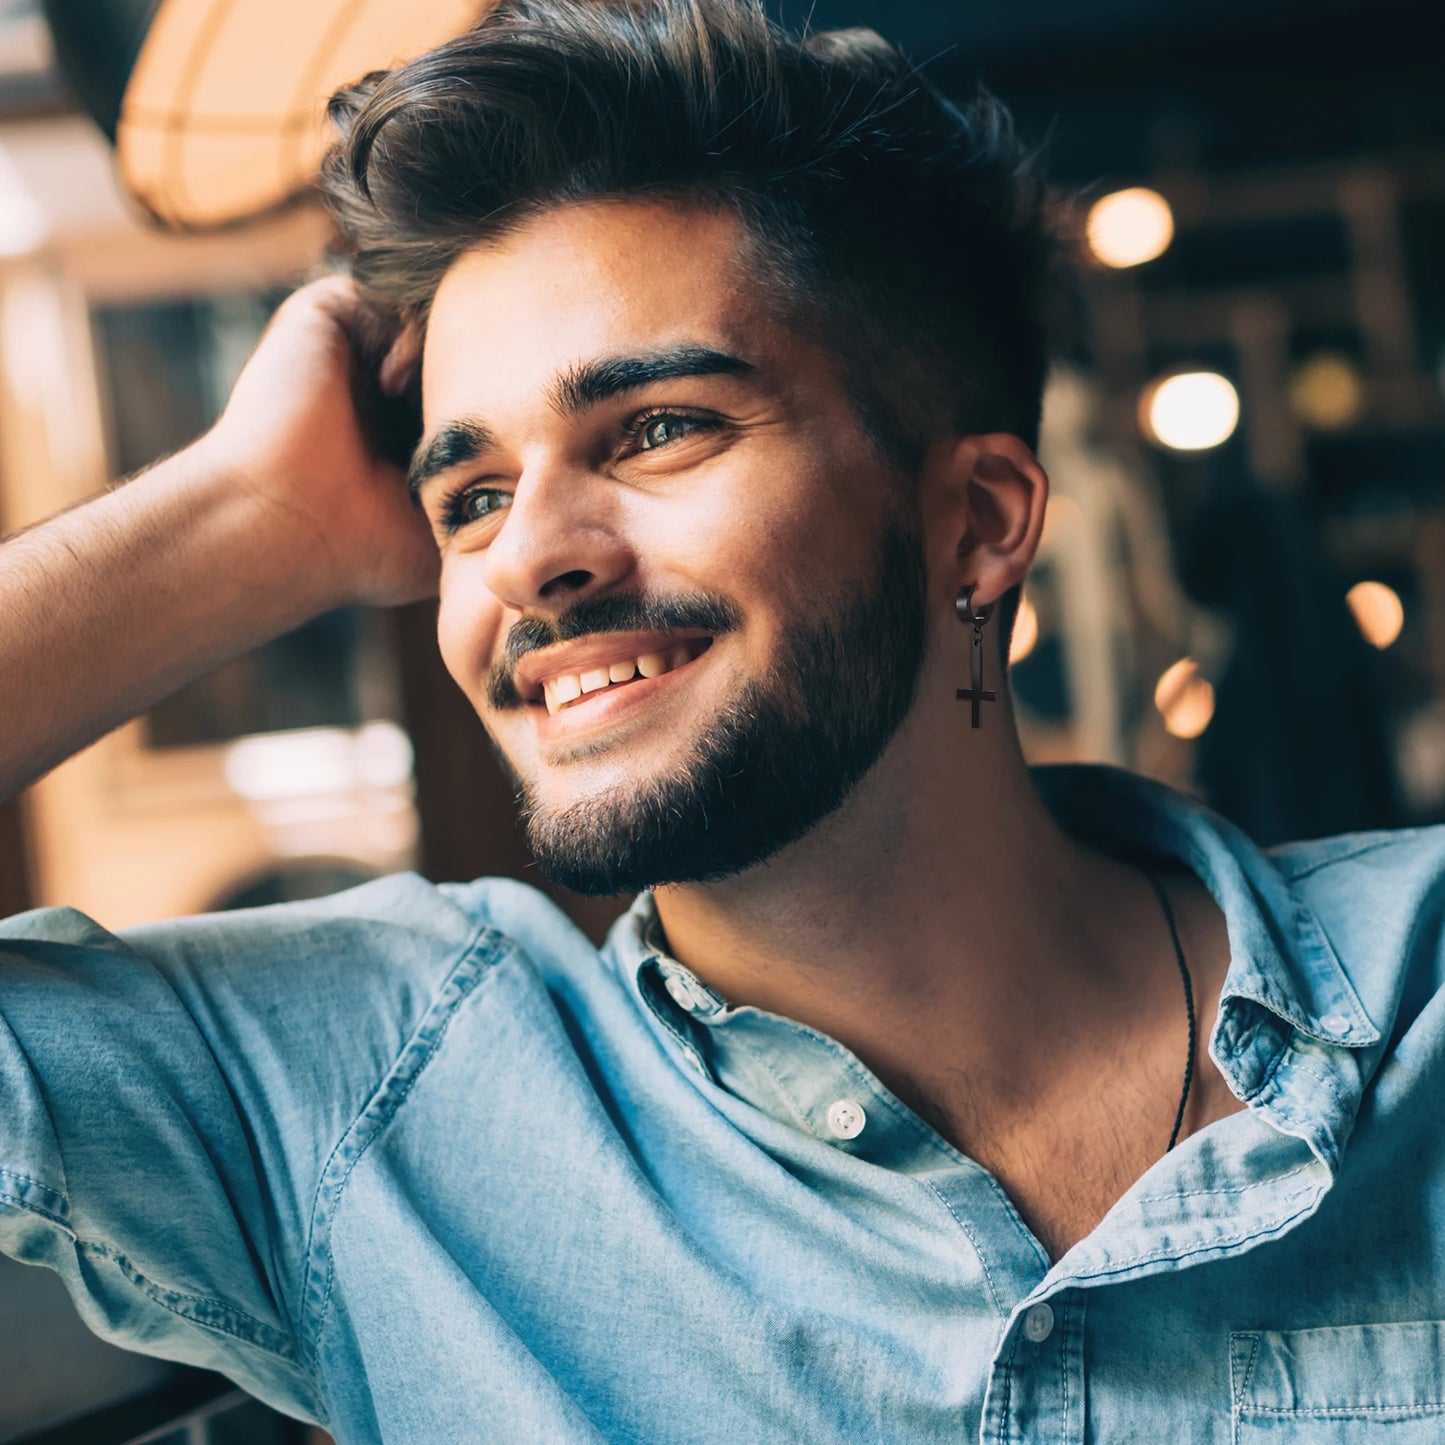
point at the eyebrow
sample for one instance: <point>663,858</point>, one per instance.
<point>571,393</point>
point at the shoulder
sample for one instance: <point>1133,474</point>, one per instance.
<point>1378,897</point>
<point>399,938</point>
<point>1367,878</point>
<point>1393,849</point>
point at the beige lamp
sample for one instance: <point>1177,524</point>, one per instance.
<point>222,115</point>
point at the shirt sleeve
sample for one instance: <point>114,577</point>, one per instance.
<point>169,1096</point>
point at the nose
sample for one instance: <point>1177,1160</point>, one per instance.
<point>558,540</point>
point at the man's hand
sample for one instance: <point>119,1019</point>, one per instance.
<point>292,504</point>
<point>303,436</point>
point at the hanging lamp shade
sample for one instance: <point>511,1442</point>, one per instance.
<point>218,107</point>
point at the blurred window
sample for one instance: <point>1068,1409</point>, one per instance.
<point>166,369</point>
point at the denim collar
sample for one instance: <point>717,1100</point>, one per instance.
<point>1285,986</point>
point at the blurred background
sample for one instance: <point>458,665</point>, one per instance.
<point>1241,588</point>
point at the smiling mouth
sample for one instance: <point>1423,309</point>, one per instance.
<point>567,689</point>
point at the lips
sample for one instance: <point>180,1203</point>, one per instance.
<point>562,675</point>
<point>567,688</point>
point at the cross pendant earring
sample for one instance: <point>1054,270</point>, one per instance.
<point>963,604</point>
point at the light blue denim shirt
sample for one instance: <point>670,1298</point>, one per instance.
<point>421,1164</point>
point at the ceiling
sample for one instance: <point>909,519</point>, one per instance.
<point>1121,87</point>
<point>999,29</point>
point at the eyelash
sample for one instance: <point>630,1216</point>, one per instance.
<point>453,503</point>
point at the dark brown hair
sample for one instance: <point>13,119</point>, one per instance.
<point>907,235</point>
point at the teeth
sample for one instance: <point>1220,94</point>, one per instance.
<point>559,691</point>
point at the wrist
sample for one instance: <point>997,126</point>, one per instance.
<point>271,542</point>
<point>233,540</point>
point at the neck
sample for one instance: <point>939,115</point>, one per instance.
<point>941,914</point>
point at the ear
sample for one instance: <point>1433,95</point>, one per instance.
<point>985,509</point>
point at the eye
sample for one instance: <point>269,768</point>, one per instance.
<point>658,428</point>
<point>467,505</point>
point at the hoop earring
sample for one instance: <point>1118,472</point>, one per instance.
<point>963,605</point>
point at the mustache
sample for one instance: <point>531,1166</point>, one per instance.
<point>615,612</point>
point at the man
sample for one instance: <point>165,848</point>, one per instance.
<point>919,1095</point>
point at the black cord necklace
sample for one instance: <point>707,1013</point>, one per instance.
<point>1188,1000</point>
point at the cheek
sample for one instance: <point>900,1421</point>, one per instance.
<point>468,620</point>
<point>760,515</point>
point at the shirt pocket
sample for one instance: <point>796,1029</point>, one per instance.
<point>1339,1385</point>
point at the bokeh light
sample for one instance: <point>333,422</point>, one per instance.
<point>1378,610</point>
<point>1327,391</point>
<point>1025,633</point>
<point>22,220</point>
<point>1185,699</point>
<point>1127,228</point>
<point>1190,411</point>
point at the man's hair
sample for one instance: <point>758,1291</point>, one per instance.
<point>910,237</point>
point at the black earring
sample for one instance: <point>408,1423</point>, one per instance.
<point>963,604</point>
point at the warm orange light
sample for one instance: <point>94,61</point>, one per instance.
<point>1327,391</point>
<point>1378,610</point>
<point>1025,633</point>
<point>224,115</point>
<point>1129,227</point>
<point>1190,411</point>
<point>1184,699</point>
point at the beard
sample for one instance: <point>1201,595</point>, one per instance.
<point>778,758</point>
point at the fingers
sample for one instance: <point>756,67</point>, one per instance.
<point>338,296</point>
<point>401,362</point>
<point>371,334</point>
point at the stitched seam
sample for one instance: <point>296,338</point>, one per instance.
<point>1279,1105</point>
<point>1249,1370</point>
<point>392,1112</point>
<point>310,1339</point>
<point>1064,1373</point>
<point>1316,867</point>
<point>977,1248</point>
<point>27,1179</point>
<point>280,1345</point>
<point>689,1046</point>
<point>1226,1189</point>
<point>1008,1388</point>
<point>1223,1242</point>
<point>929,1136</point>
<point>380,1127</point>
<point>59,1220</point>
<point>1268,1079</point>
<point>260,1335</point>
<point>1306,1064</point>
<point>936,1142</point>
<point>1425,1407</point>
<point>853,1066</point>
<point>760,1058</point>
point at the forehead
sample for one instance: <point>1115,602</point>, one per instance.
<point>588,280</point>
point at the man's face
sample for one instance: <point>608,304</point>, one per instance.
<point>678,586</point>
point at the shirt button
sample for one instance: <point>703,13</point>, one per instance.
<point>681,994</point>
<point>1337,1023</point>
<point>1039,1324</point>
<point>846,1118</point>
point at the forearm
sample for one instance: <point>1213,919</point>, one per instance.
<point>109,607</point>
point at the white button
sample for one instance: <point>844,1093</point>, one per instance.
<point>677,987</point>
<point>1337,1023</point>
<point>846,1118</point>
<point>1039,1323</point>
